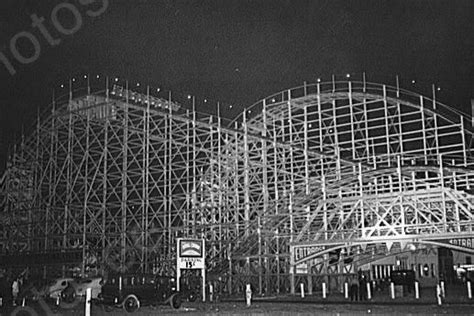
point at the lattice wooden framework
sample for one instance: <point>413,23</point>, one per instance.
<point>121,173</point>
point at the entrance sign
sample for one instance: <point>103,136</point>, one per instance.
<point>460,243</point>
<point>191,255</point>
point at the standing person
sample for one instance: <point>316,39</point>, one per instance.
<point>15,290</point>
<point>354,289</point>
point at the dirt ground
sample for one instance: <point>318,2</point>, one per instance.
<point>257,308</point>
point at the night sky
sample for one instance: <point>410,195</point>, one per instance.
<point>236,52</point>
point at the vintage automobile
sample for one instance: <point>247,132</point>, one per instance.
<point>132,291</point>
<point>76,289</point>
<point>56,286</point>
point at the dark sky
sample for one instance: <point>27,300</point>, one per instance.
<point>235,51</point>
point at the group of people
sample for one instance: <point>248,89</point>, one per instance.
<point>358,288</point>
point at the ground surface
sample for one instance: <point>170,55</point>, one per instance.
<point>266,308</point>
<point>455,303</point>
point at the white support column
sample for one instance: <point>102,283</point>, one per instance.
<point>320,119</point>
<point>400,190</point>
<point>306,162</point>
<point>88,302</point>
<point>351,111</point>
<point>464,150</point>
<point>361,193</point>
<point>292,165</point>
<point>423,129</point>
<point>443,197</point>
<point>246,172</point>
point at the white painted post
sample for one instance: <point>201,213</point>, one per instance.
<point>469,289</point>
<point>88,302</point>
<point>438,294</point>
<point>392,290</point>
<point>369,294</point>
<point>302,290</point>
<point>324,290</point>
<point>417,290</point>
<point>248,295</point>
<point>178,277</point>
<point>211,292</point>
<point>203,273</point>
<point>443,293</point>
<point>346,290</point>
<point>1,301</point>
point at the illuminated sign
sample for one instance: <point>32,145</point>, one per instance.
<point>191,253</point>
<point>191,248</point>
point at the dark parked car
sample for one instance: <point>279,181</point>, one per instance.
<point>403,277</point>
<point>132,291</point>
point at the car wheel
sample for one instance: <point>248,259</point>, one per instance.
<point>192,297</point>
<point>175,301</point>
<point>131,304</point>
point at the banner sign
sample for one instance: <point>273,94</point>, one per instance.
<point>191,253</point>
<point>465,242</point>
<point>299,254</point>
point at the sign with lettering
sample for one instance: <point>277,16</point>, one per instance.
<point>462,242</point>
<point>466,243</point>
<point>190,253</point>
<point>305,251</point>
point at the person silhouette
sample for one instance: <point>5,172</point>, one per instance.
<point>354,289</point>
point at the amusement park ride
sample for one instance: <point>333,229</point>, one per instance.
<point>308,184</point>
